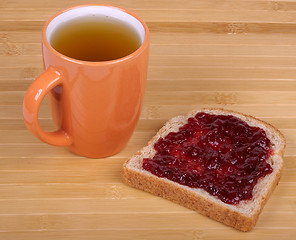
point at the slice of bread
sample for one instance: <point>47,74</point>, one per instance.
<point>242,216</point>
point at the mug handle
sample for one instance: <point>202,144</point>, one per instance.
<point>33,98</point>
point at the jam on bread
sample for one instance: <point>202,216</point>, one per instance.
<point>221,154</point>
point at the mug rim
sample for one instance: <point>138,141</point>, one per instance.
<point>143,46</point>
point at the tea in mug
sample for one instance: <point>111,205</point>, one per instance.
<point>95,39</point>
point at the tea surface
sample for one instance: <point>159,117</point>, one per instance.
<point>95,39</point>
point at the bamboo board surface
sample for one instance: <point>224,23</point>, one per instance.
<point>234,54</point>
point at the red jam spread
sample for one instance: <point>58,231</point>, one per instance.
<point>219,153</point>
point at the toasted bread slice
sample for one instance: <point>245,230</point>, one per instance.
<point>242,216</point>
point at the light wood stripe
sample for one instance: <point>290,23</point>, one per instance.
<point>115,205</point>
<point>280,5</point>
<point>102,221</point>
<point>196,232</point>
<point>158,15</point>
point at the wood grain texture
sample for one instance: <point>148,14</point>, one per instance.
<point>234,54</point>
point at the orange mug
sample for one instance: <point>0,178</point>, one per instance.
<point>95,105</point>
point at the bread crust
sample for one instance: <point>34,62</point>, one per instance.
<point>198,199</point>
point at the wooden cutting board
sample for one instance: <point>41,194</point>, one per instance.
<point>234,54</point>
